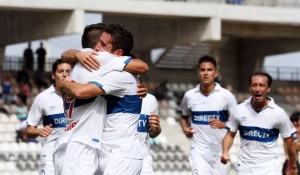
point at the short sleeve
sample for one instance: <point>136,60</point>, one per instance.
<point>35,113</point>
<point>114,83</point>
<point>233,122</point>
<point>118,63</point>
<point>286,127</point>
<point>184,105</point>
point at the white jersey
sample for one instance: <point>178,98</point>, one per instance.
<point>86,117</point>
<point>207,141</point>
<point>47,108</point>
<point>259,132</point>
<point>149,105</point>
<point>120,135</point>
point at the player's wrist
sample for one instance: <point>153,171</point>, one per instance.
<point>291,168</point>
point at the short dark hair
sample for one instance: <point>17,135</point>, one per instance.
<point>262,73</point>
<point>56,63</point>
<point>121,38</point>
<point>207,58</point>
<point>91,35</point>
<point>295,117</point>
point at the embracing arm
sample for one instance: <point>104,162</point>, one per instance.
<point>136,66</point>
<point>81,91</point>
<point>87,59</point>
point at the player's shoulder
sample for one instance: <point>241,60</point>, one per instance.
<point>46,92</point>
<point>150,97</point>
<point>192,91</point>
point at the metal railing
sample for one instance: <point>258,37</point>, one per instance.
<point>16,63</point>
<point>284,73</point>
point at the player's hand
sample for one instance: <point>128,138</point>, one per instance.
<point>225,158</point>
<point>88,60</point>
<point>188,132</point>
<point>142,90</point>
<point>154,124</point>
<point>46,131</point>
<point>291,171</point>
<point>215,123</point>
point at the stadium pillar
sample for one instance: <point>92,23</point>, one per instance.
<point>2,48</point>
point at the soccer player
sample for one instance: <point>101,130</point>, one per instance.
<point>149,126</point>
<point>259,121</point>
<point>210,106</point>
<point>47,108</point>
<point>86,116</point>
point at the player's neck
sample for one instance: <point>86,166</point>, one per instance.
<point>207,89</point>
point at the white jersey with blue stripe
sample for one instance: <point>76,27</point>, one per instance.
<point>149,105</point>
<point>120,135</point>
<point>85,117</point>
<point>47,108</point>
<point>219,104</point>
<point>259,131</point>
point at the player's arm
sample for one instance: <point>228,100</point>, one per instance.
<point>215,123</point>
<point>226,145</point>
<point>33,131</point>
<point>81,91</point>
<point>292,154</point>
<point>187,130</point>
<point>154,126</point>
<point>87,59</point>
<point>136,66</point>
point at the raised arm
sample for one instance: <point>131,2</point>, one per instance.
<point>136,66</point>
<point>226,145</point>
<point>87,59</point>
<point>81,91</point>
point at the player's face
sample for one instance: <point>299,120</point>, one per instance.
<point>62,72</point>
<point>105,42</point>
<point>259,89</point>
<point>207,73</point>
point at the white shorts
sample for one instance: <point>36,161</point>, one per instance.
<point>147,165</point>
<point>259,171</point>
<point>75,158</point>
<point>46,159</point>
<point>200,166</point>
<point>120,165</point>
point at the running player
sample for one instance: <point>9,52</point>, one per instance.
<point>259,121</point>
<point>149,125</point>
<point>210,106</point>
<point>50,114</point>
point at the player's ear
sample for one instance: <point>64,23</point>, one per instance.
<point>118,52</point>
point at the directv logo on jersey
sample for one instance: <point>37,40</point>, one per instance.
<point>143,123</point>
<point>203,117</point>
<point>258,134</point>
<point>59,121</point>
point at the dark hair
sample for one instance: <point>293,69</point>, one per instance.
<point>261,73</point>
<point>295,117</point>
<point>91,35</point>
<point>121,38</point>
<point>207,58</point>
<point>55,64</point>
